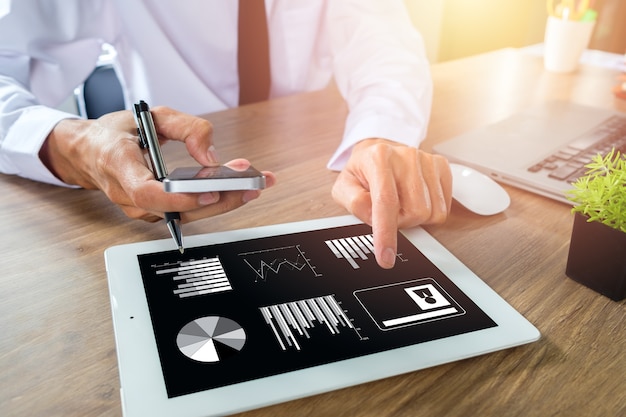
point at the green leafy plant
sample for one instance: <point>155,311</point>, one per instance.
<point>600,194</point>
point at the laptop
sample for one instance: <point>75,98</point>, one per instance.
<point>542,149</point>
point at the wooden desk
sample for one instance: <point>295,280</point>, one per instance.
<point>57,350</point>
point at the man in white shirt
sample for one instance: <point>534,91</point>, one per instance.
<point>183,55</point>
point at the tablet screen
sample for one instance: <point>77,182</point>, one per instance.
<point>239,311</point>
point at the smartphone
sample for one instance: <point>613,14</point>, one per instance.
<point>206,179</point>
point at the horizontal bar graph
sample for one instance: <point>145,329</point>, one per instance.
<point>196,277</point>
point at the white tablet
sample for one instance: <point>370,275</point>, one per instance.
<point>254,317</point>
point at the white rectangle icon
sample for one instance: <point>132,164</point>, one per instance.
<point>408,303</point>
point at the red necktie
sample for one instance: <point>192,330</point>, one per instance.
<point>253,54</point>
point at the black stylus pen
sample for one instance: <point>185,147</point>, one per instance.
<point>149,140</point>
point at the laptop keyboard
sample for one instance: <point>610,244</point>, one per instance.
<point>568,163</point>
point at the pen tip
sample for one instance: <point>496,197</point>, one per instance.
<point>173,224</point>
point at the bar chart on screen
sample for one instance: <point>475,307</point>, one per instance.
<point>195,277</point>
<point>293,320</point>
<point>355,248</point>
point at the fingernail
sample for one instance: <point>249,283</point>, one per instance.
<point>388,258</point>
<point>208,198</point>
<point>250,195</point>
<point>212,155</point>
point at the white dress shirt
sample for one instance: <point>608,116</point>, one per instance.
<point>182,54</point>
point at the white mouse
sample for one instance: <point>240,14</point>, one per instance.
<point>477,192</point>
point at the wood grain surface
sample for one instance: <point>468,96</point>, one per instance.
<point>57,348</point>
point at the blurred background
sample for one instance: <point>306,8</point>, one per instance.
<point>458,28</point>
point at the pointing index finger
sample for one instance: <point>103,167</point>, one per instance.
<point>385,209</point>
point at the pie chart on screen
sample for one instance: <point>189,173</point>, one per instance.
<point>211,339</point>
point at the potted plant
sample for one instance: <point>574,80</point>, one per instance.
<point>597,253</point>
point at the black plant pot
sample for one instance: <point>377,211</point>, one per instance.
<point>597,257</point>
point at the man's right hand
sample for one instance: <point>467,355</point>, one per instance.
<point>104,154</point>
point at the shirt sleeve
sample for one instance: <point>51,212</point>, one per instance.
<point>47,48</point>
<point>381,70</point>
<point>22,132</point>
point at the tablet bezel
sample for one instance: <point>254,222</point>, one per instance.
<point>143,389</point>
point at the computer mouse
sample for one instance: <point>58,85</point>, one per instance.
<point>477,192</point>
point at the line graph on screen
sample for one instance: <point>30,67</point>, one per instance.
<point>275,261</point>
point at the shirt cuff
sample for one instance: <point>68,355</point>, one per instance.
<point>20,149</point>
<point>376,126</point>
